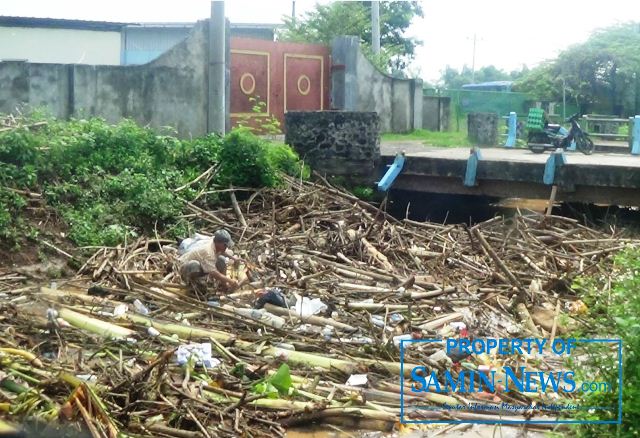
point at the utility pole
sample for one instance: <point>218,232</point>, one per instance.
<point>293,11</point>
<point>216,117</point>
<point>473,61</point>
<point>375,26</point>
<point>564,100</point>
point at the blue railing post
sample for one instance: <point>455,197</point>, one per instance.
<point>512,127</point>
<point>555,160</point>
<point>392,173</point>
<point>635,136</point>
<point>472,168</point>
<point>564,131</point>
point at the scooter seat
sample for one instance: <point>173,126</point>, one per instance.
<point>552,127</point>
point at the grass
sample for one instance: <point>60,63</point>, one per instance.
<point>432,138</point>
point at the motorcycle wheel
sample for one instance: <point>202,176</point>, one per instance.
<point>537,138</point>
<point>584,144</point>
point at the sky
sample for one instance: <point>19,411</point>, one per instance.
<point>508,33</point>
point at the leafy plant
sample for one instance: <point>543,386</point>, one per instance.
<point>259,121</point>
<point>614,313</point>
<point>11,224</point>
<point>112,182</point>
<point>278,384</point>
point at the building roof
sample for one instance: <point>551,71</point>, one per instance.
<point>59,23</point>
<point>489,84</point>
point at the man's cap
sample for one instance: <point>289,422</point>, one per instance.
<point>223,236</point>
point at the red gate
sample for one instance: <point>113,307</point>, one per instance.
<point>283,76</point>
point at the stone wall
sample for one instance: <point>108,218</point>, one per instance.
<point>342,143</point>
<point>482,128</point>
<point>357,85</point>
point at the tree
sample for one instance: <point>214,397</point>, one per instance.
<point>326,22</point>
<point>602,74</point>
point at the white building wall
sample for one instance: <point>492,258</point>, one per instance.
<point>66,46</point>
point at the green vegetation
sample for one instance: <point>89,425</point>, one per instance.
<point>268,123</point>
<point>113,182</point>
<point>614,313</point>
<point>323,23</point>
<point>601,74</point>
<point>433,138</point>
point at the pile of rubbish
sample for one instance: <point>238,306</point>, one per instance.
<point>126,348</point>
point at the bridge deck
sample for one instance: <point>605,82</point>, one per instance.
<point>606,178</point>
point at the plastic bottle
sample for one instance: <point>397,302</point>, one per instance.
<point>140,308</point>
<point>397,339</point>
<point>264,317</point>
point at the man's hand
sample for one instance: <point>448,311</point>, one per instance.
<point>232,284</point>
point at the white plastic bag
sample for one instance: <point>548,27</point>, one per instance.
<point>307,307</point>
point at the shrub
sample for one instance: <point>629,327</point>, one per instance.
<point>11,224</point>
<point>113,181</point>
<point>614,315</point>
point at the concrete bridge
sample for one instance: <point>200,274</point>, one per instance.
<point>602,178</point>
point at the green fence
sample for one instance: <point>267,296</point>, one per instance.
<point>502,103</point>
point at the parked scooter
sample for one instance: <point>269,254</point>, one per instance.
<point>552,136</point>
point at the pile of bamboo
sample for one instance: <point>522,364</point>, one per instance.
<point>74,355</point>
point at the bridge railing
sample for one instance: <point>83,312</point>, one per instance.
<point>513,129</point>
<point>593,125</point>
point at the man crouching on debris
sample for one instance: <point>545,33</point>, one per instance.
<point>208,264</point>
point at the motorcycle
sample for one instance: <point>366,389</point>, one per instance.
<point>554,136</point>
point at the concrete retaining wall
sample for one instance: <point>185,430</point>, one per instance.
<point>170,91</point>
<point>436,113</point>
<point>358,86</point>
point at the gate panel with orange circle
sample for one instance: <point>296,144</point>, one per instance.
<point>276,77</point>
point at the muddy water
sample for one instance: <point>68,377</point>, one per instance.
<point>455,209</point>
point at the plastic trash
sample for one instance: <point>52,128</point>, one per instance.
<point>263,316</point>
<point>120,310</point>
<point>213,303</point>
<point>52,314</point>
<point>357,380</point>
<point>377,320</point>
<point>327,332</point>
<point>153,331</point>
<point>395,318</point>
<point>201,353</point>
<point>271,296</point>
<point>440,356</point>
<point>360,340</point>
<point>140,308</point>
<point>397,339</point>
<point>308,307</point>
<point>89,378</point>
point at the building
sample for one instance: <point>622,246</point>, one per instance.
<point>50,40</point>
